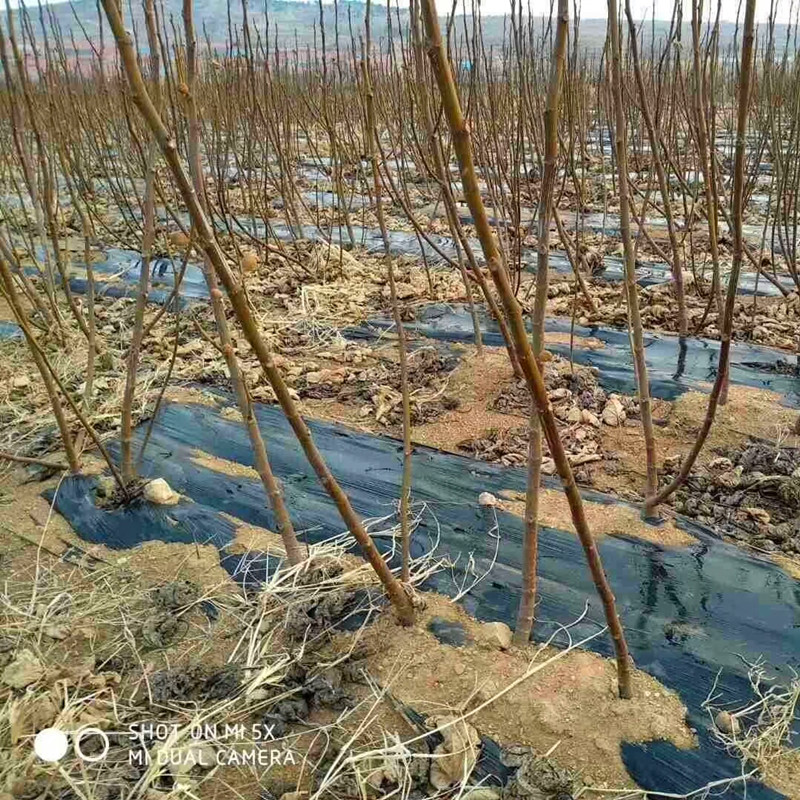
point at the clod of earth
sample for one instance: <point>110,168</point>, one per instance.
<point>163,630</point>
<point>495,635</point>
<point>538,778</point>
<point>176,594</point>
<point>750,492</point>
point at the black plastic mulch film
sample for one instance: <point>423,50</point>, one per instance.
<point>673,366</point>
<point>689,612</point>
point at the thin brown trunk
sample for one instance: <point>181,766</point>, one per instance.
<point>700,110</point>
<point>372,137</point>
<point>442,175</point>
<point>620,135</point>
<point>573,260</point>
<point>522,345</point>
<point>128,396</point>
<point>211,248</point>
<point>745,78</point>
<point>260,457</point>
<point>530,545</point>
<point>148,239</point>
<point>41,365</point>
<point>663,184</point>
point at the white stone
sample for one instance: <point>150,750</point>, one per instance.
<point>590,418</point>
<point>548,466</point>
<point>158,491</point>
<point>574,415</point>
<point>614,412</point>
<point>487,499</point>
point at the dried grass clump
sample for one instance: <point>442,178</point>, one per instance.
<point>98,645</point>
<point>761,732</point>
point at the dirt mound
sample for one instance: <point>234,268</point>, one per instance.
<point>579,403</point>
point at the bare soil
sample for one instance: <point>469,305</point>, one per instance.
<point>572,704</point>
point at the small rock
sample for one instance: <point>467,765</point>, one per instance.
<point>495,634</point>
<point>161,493</point>
<point>589,418</point>
<point>727,723</point>
<point>178,239</point>
<point>24,670</point>
<point>614,412</point>
<point>313,378</point>
<point>487,499</point>
<point>548,466</point>
<point>57,632</point>
<point>20,382</point>
<point>574,414</point>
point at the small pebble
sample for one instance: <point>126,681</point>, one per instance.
<point>726,722</point>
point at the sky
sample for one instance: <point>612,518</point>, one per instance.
<point>643,9</point>
<point>596,9</point>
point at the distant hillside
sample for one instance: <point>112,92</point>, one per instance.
<point>299,22</point>
<point>293,21</point>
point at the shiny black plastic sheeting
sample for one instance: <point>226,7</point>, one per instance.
<point>124,265</point>
<point>689,612</point>
<point>10,331</point>
<point>123,268</point>
<point>673,366</point>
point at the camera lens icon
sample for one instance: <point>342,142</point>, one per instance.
<point>51,744</point>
